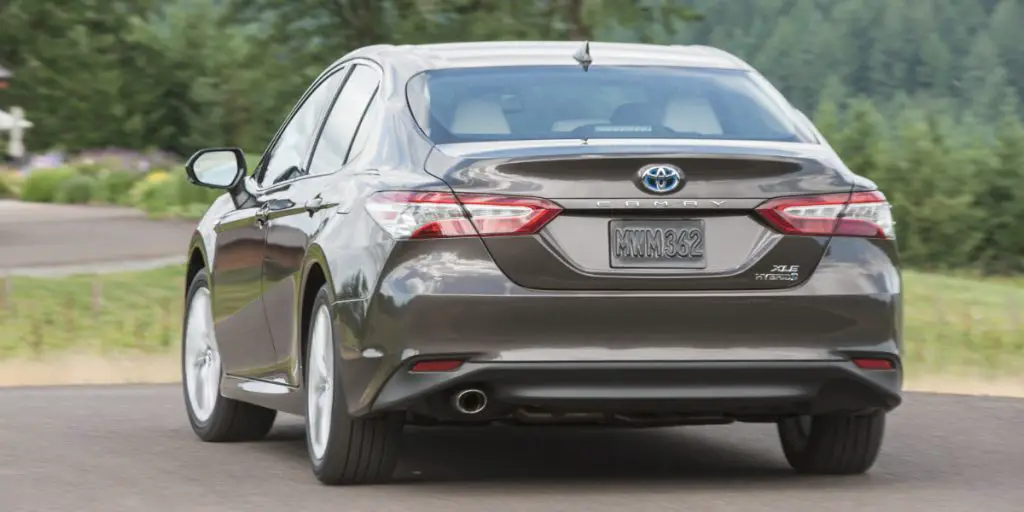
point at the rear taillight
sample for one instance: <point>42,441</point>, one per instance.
<point>414,215</point>
<point>864,214</point>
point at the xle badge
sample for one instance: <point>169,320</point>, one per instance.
<point>780,273</point>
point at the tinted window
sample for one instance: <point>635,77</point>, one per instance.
<point>560,102</point>
<point>288,157</point>
<point>332,149</point>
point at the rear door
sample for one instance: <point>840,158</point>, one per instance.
<point>299,210</point>
<point>284,161</point>
<point>616,233</point>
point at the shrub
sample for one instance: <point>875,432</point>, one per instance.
<point>41,185</point>
<point>162,194</point>
<point>115,186</point>
<point>155,194</point>
<point>90,169</point>
<point>78,189</point>
<point>192,194</point>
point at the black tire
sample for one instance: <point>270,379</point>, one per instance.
<point>231,420</point>
<point>833,444</point>
<point>358,450</point>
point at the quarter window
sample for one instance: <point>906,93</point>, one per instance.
<point>332,148</point>
<point>364,139</point>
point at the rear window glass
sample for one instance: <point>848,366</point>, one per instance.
<point>562,102</point>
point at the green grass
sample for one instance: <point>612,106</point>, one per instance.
<point>135,311</point>
<point>954,325</point>
<point>963,325</point>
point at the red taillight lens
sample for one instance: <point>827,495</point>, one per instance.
<point>864,214</point>
<point>407,215</point>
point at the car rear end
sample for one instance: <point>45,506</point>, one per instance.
<point>565,275</point>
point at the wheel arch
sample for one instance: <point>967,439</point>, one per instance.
<point>315,274</point>
<point>197,260</point>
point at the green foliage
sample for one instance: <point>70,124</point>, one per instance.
<point>7,190</point>
<point>957,199</point>
<point>1000,197</point>
<point>115,186</point>
<point>155,194</point>
<point>78,189</point>
<point>41,185</point>
<point>158,193</point>
<point>164,194</point>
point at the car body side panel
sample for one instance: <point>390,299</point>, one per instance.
<point>447,297</point>
<point>340,238</point>
<point>353,251</point>
<point>289,231</point>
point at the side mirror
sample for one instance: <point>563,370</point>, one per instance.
<point>216,167</point>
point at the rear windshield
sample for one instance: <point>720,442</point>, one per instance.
<point>562,102</point>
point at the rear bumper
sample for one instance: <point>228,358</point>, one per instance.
<point>731,390</point>
<point>447,299</point>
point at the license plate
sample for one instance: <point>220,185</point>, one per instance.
<point>657,243</point>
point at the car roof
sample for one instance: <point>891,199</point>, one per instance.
<point>408,60</point>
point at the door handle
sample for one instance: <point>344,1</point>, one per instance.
<point>314,205</point>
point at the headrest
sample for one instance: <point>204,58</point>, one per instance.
<point>479,117</point>
<point>692,114</point>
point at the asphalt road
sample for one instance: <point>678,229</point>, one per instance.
<point>49,239</point>
<point>130,448</point>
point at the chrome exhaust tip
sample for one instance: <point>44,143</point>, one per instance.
<point>469,401</point>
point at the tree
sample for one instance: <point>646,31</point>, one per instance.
<point>200,80</point>
<point>985,82</point>
<point>793,51</point>
<point>860,141</point>
<point>826,115</point>
<point>68,62</point>
<point>1001,198</point>
<point>890,56</point>
<point>1008,38</point>
<point>932,195</point>
<point>934,72</point>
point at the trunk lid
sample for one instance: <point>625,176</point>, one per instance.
<point>615,234</point>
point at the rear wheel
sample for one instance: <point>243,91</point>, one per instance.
<point>342,449</point>
<point>832,444</point>
<point>213,417</point>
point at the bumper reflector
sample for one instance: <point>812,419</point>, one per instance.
<point>439,365</point>
<point>873,364</point>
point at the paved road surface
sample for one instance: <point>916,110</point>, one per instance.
<point>129,448</point>
<point>55,239</point>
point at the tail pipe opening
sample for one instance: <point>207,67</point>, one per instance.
<point>469,402</point>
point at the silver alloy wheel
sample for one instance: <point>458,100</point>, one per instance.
<point>320,384</point>
<point>202,358</point>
